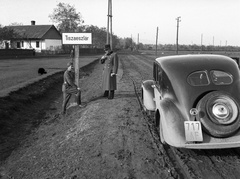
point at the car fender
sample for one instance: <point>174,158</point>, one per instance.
<point>148,95</point>
<point>172,124</point>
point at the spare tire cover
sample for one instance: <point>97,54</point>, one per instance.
<point>209,124</point>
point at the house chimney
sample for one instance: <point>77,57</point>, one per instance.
<point>32,22</point>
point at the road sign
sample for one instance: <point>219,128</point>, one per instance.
<point>77,38</point>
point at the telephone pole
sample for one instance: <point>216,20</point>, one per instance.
<point>138,42</point>
<point>109,23</point>
<point>178,20</point>
<point>156,41</point>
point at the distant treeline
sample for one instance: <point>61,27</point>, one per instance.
<point>169,47</point>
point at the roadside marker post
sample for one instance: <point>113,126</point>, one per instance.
<point>76,39</point>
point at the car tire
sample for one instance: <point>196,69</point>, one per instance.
<point>211,125</point>
<point>156,120</point>
<point>158,125</point>
<point>142,99</point>
<point>161,134</point>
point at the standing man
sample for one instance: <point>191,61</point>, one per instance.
<point>109,79</point>
<point>69,88</point>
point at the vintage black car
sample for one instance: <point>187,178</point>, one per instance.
<point>195,99</point>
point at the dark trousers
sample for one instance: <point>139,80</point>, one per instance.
<point>109,94</point>
<point>67,95</point>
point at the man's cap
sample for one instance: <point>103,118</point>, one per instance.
<point>69,64</point>
<point>107,47</point>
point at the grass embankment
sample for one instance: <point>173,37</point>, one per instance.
<point>23,110</point>
<point>18,73</point>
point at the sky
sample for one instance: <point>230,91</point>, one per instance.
<point>206,22</point>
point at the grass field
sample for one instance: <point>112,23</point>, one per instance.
<point>17,73</point>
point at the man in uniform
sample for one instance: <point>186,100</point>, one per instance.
<point>109,79</point>
<point>69,88</point>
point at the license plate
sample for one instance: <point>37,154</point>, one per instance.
<point>193,131</point>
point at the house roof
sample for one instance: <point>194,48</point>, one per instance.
<point>33,31</point>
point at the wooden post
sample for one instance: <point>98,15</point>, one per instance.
<point>138,42</point>
<point>178,20</point>
<point>156,41</point>
<point>108,21</point>
<point>110,16</point>
<point>76,62</point>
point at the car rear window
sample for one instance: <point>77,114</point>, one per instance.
<point>221,77</point>
<point>199,78</point>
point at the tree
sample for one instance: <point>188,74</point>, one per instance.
<point>66,18</point>
<point>99,36</point>
<point>6,36</point>
<point>7,33</point>
<point>128,43</point>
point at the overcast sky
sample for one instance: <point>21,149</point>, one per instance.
<point>212,22</point>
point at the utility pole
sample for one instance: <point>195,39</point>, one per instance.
<point>131,43</point>
<point>110,16</point>
<point>178,20</point>
<point>109,23</point>
<point>138,42</point>
<point>156,41</point>
<point>201,42</point>
<point>226,46</point>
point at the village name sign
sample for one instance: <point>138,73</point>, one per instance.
<point>77,38</point>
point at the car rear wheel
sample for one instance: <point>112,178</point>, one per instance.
<point>159,127</point>
<point>142,99</point>
<point>219,114</point>
<point>161,134</point>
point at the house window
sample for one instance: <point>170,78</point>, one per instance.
<point>37,44</point>
<point>18,45</point>
<point>22,44</point>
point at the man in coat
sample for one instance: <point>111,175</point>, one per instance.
<point>69,88</point>
<point>109,79</point>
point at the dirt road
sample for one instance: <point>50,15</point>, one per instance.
<point>106,139</point>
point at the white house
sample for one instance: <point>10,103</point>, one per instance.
<point>38,37</point>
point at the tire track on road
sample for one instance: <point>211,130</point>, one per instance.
<point>191,163</point>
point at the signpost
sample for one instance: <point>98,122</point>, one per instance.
<point>76,39</point>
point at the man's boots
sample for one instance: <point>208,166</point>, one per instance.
<point>105,94</point>
<point>111,94</point>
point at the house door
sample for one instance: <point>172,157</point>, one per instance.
<point>6,45</point>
